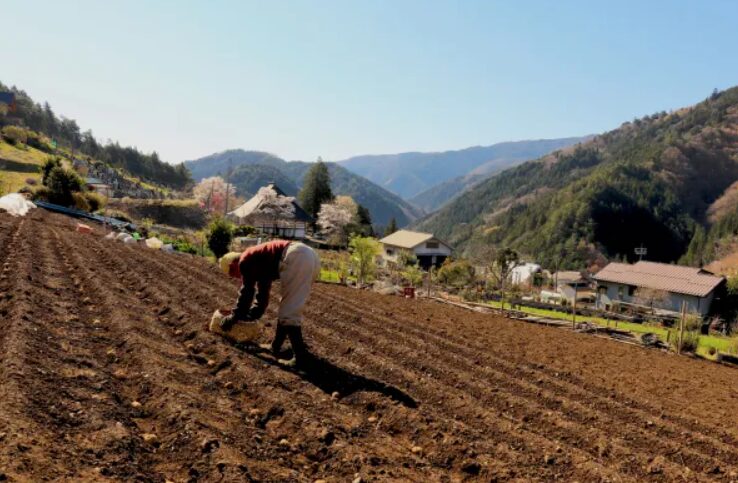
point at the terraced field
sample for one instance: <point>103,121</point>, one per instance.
<point>106,373</point>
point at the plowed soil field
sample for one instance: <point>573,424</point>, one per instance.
<point>106,373</point>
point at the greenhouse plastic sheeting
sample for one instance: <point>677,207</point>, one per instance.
<point>16,204</point>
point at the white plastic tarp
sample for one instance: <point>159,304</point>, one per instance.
<point>16,204</point>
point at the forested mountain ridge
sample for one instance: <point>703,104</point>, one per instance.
<point>651,181</point>
<point>409,174</point>
<point>435,197</point>
<point>252,168</point>
<point>65,132</point>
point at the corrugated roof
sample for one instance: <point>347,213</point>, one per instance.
<point>406,238</point>
<point>661,276</point>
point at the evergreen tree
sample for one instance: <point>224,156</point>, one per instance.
<point>317,188</point>
<point>363,220</point>
<point>391,228</point>
<point>219,234</point>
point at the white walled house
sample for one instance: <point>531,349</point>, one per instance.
<point>524,274</point>
<point>429,250</point>
<point>273,213</point>
<point>658,286</point>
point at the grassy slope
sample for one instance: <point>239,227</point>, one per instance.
<point>19,164</point>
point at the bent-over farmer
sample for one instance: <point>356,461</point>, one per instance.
<point>296,265</point>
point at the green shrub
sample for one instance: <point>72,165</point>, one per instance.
<point>457,274</point>
<point>37,141</point>
<point>41,193</point>
<point>185,247</point>
<point>690,341</point>
<point>405,258</point>
<point>219,236</point>
<point>80,201</point>
<point>49,164</point>
<point>14,134</point>
<point>364,253</point>
<point>244,230</point>
<point>95,200</point>
<point>413,275</point>
<point>62,183</point>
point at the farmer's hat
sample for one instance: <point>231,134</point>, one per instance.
<point>229,264</point>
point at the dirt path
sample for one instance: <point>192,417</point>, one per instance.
<point>106,373</point>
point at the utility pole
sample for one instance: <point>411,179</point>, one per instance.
<point>641,252</point>
<point>574,307</point>
<point>681,327</point>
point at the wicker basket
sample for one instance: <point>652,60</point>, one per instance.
<point>240,332</point>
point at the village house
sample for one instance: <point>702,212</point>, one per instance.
<point>97,185</point>
<point>656,286</point>
<point>8,99</point>
<point>571,284</point>
<point>429,250</point>
<point>524,274</point>
<point>273,213</point>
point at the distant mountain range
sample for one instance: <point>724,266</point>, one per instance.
<point>411,174</point>
<point>254,169</point>
<point>668,181</point>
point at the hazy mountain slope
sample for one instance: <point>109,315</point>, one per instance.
<point>217,164</point>
<point>408,174</point>
<point>254,167</point>
<point>248,178</point>
<point>650,181</point>
<point>435,197</point>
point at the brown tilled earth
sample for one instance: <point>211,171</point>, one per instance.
<point>106,373</point>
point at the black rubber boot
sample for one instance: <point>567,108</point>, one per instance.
<point>300,351</point>
<point>279,336</point>
<point>275,347</point>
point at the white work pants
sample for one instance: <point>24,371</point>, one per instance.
<point>299,268</point>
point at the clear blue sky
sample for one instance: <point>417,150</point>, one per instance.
<point>304,79</point>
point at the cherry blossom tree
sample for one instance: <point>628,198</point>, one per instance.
<point>211,193</point>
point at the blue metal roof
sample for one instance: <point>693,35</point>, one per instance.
<point>7,97</point>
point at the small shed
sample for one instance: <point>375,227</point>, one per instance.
<point>657,286</point>
<point>273,213</point>
<point>429,250</point>
<point>98,186</point>
<point>571,284</point>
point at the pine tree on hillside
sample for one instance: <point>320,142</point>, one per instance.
<point>364,220</point>
<point>317,188</point>
<point>391,228</point>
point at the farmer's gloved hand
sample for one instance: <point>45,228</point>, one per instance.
<point>227,322</point>
<point>255,313</point>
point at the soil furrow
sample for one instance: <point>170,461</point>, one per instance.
<point>523,411</point>
<point>623,411</point>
